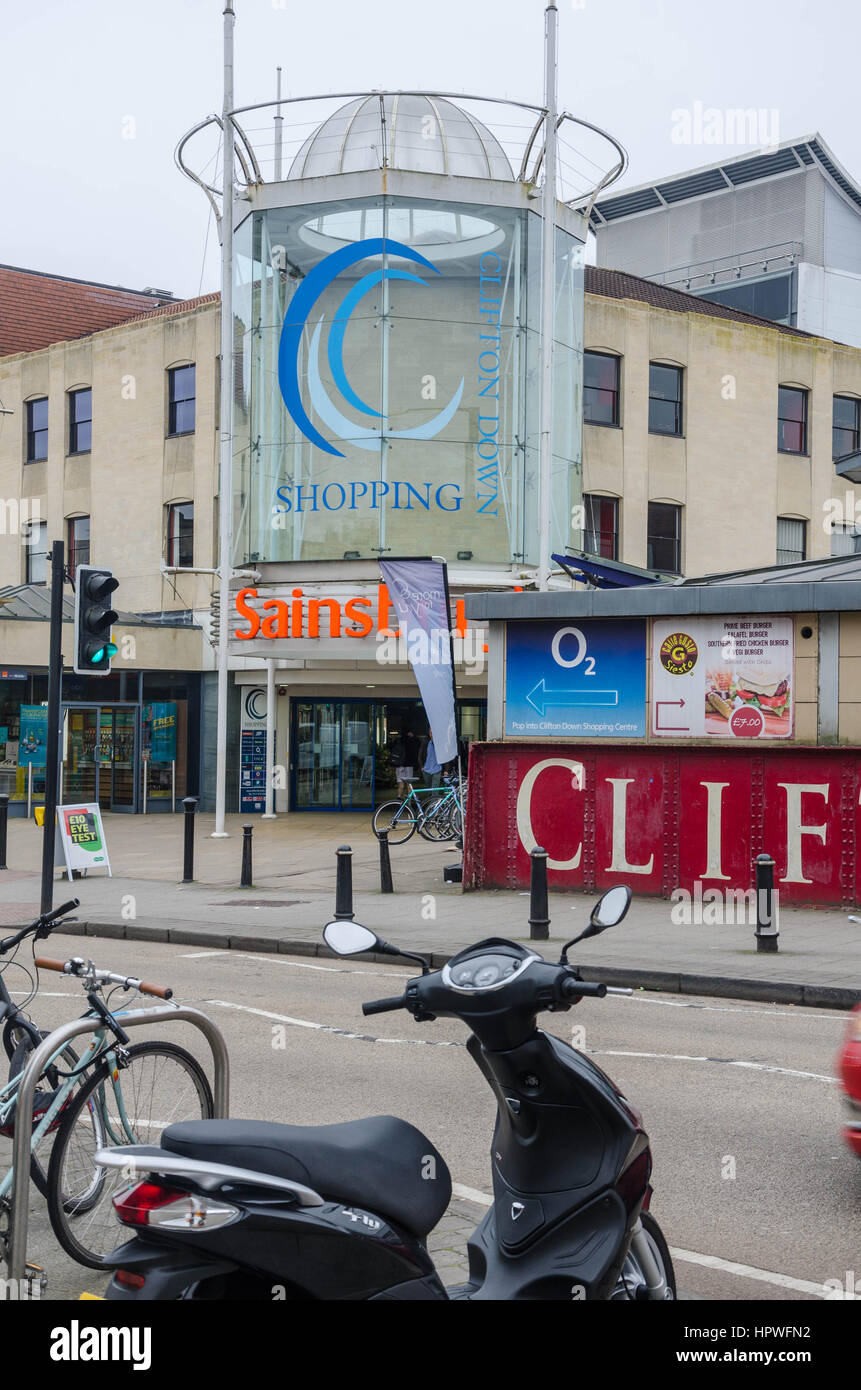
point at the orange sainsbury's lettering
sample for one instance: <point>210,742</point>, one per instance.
<point>364,620</point>
<point>244,611</point>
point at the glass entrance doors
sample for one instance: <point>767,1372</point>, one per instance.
<point>101,756</point>
<point>341,750</point>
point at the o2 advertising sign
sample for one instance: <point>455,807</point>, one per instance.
<point>576,680</point>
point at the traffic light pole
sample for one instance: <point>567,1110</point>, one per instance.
<point>52,752</point>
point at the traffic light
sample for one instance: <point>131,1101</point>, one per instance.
<point>94,619</point>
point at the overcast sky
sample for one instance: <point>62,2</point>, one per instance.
<point>82,200</point>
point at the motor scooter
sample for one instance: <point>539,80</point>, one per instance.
<point>260,1210</point>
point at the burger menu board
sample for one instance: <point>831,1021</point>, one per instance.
<point>722,677</point>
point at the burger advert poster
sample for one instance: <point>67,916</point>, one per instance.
<point>727,678</point>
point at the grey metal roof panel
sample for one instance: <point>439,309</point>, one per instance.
<point>32,603</point>
<point>666,600</point>
<point>691,187</point>
<point>762,166</point>
<point>643,201</point>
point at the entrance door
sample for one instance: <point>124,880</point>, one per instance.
<point>333,760</point>
<point>101,756</point>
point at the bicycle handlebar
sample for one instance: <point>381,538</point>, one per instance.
<point>46,920</point>
<point>104,977</point>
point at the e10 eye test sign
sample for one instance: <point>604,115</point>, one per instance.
<point>82,836</point>
<point>727,678</point>
<point>575,679</point>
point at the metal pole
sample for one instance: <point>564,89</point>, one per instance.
<point>173,784</point>
<point>386,885</point>
<point>4,826</point>
<point>344,884</point>
<point>52,753</point>
<point>16,1253</point>
<point>766,904</point>
<point>189,806</point>
<point>247,832</point>
<point>225,472</point>
<point>279,123</point>
<point>548,276</point>
<point>269,813</point>
<point>29,790</point>
<point>539,913</point>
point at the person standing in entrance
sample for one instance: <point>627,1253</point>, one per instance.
<point>431,766</point>
<point>402,754</point>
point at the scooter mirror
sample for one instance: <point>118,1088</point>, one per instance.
<point>349,938</point>
<point>611,908</point>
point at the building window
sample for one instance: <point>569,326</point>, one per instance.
<point>845,426</point>
<point>665,399</point>
<point>664,540</point>
<point>37,430</point>
<point>791,540</point>
<point>79,542</point>
<point>600,388</point>
<point>845,539</point>
<point>181,396</point>
<point>791,420</point>
<point>180,535</point>
<point>80,421</point>
<point>601,532</point>
<point>37,552</point>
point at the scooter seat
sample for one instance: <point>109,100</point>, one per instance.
<point>382,1164</point>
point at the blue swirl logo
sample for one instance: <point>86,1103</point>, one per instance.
<point>298,313</point>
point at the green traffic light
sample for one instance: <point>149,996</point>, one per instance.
<point>107,651</point>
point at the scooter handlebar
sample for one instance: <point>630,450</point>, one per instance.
<point>384,1006</point>
<point>581,988</point>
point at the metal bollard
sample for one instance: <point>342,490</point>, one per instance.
<point>344,884</point>
<point>247,831</point>
<point>4,827</point>
<point>766,904</point>
<point>386,885</point>
<point>189,806</point>
<point>539,916</point>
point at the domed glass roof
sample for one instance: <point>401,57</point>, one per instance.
<point>427,134</point>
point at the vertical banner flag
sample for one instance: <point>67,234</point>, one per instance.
<point>419,591</point>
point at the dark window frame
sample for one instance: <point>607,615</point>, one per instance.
<point>654,537</point>
<point>30,455</point>
<point>76,546</point>
<point>854,431</point>
<point>176,540</point>
<point>677,402</point>
<point>615,391</point>
<point>76,422</point>
<point>787,420</point>
<point>590,530</point>
<point>32,553</point>
<point>175,403</point>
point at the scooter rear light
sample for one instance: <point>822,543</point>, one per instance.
<point>149,1204</point>
<point>130,1280</point>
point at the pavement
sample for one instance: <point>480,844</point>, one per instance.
<point>293,895</point>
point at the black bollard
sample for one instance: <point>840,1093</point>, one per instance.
<point>189,806</point>
<point>247,831</point>
<point>539,917</point>
<point>766,904</point>
<point>344,884</point>
<point>4,827</point>
<point>386,885</point>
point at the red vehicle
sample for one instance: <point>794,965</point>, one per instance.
<point>850,1072</point>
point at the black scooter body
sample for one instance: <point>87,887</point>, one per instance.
<point>570,1162</point>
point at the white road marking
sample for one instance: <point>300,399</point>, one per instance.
<point>719,1061</point>
<point>297,965</point>
<point>328,1027</point>
<point>437,1042</point>
<point>765,1276</point>
<point>799,1012</point>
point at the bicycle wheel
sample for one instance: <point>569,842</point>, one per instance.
<point>159,1085</point>
<point>398,818</point>
<point>432,824</point>
<point>48,1083</point>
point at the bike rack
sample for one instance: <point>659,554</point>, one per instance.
<point>16,1253</point>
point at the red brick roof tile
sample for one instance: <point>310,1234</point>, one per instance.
<point>37,310</point>
<point>618,284</point>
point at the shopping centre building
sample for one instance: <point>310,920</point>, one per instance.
<point>386,306</point>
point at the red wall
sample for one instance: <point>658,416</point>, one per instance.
<point>642,818</point>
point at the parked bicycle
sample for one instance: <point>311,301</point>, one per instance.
<point>435,812</point>
<point>116,1093</point>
